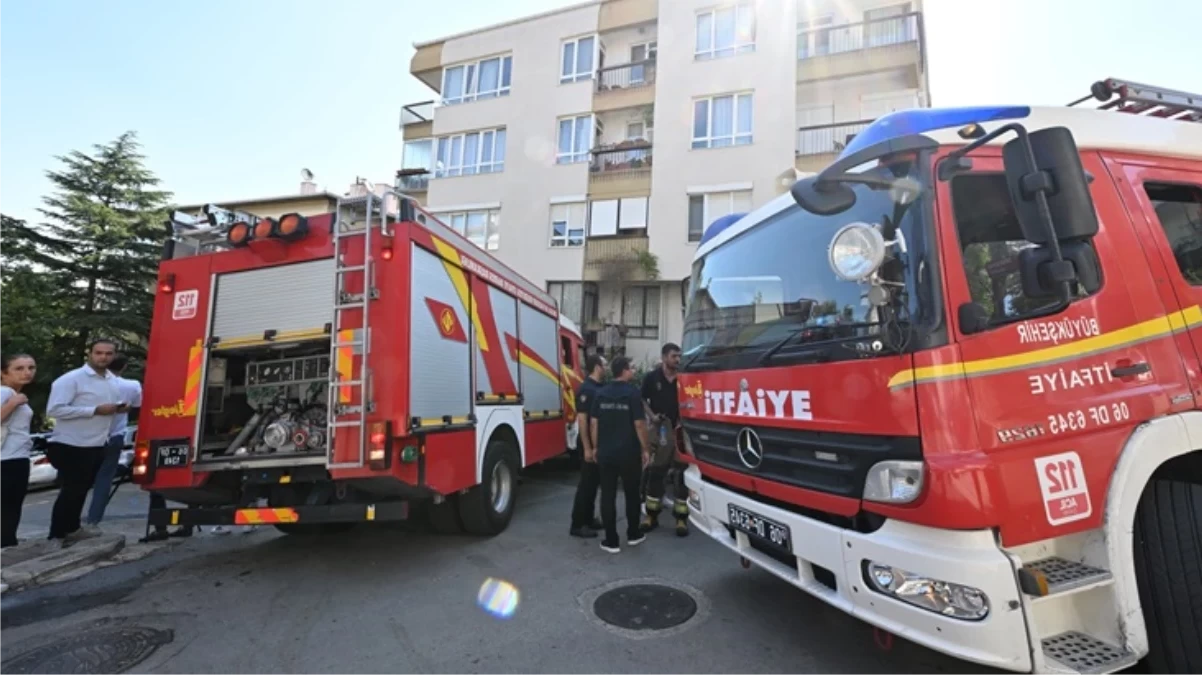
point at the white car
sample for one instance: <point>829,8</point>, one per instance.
<point>43,474</point>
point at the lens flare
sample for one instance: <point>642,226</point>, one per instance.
<point>498,597</point>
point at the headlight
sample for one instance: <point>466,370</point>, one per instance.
<point>942,597</point>
<point>857,250</point>
<point>894,482</point>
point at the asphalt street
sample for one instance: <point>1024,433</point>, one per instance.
<point>388,599</point>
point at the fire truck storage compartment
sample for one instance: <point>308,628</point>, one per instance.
<point>285,299</point>
<point>266,402</point>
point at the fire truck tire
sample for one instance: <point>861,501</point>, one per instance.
<point>444,518</point>
<point>314,529</point>
<point>1168,570</point>
<point>487,508</point>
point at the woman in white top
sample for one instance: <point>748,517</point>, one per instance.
<point>16,372</point>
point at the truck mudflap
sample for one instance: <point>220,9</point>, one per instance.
<point>331,513</point>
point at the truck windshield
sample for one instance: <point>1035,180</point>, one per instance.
<point>772,286</point>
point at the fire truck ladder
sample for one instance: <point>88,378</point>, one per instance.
<point>355,220</point>
<point>1142,99</point>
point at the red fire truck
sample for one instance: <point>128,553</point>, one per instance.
<point>316,372</point>
<point>956,390</point>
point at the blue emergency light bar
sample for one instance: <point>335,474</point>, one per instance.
<point>922,120</point>
<point>715,228</point>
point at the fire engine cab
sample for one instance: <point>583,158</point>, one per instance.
<point>952,383</point>
<point>316,372</point>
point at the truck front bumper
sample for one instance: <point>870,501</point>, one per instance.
<point>821,554</point>
<point>332,513</point>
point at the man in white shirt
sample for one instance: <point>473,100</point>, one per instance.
<point>82,403</point>
<point>131,394</point>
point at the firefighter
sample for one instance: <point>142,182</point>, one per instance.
<point>663,415</point>
<point>616,421</point>
<point>584,520</point>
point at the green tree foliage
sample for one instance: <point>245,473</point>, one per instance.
<point>89,269</point>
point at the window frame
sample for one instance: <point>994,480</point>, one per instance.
<point>565,240</point>
<point>705,198</point>
<point>492,226</point>
<point>573,157</point>
<point>576,75</point>
<point>479,167</point>
<point>643,330</point>
<point>707,141</point>
<point>713,51</point>
<point>588,299</point>
<point>470,91</point>
<point>619,230</point>
<point>1156,221</point>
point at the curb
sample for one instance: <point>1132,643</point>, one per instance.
<point>38,570</point>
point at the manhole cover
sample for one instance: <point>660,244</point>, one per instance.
<point>644,607</point>
<point>101,650</point>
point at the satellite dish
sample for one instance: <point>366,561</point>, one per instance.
<point>306,174</point>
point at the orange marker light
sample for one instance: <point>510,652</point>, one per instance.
<point>239,234</point>
<point>292,226</point>
<point>386,254</point>
<point>263,228</point>
<point>167,284</point>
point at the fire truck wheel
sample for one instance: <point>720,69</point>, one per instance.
<point>444,517</point>
<point>1168,570</point>
<point>487,508</point>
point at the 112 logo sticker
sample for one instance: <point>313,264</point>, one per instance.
<point>1062,483</point>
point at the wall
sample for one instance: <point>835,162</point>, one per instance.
<point>530,111</point>
<point>769,71</point>
<point>845,94</point>
<point>618,42</point>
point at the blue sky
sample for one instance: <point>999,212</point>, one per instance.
<point>231,99</point>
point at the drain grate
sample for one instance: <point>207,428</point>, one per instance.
<point>100,650</point>
<point>1083,653</point>
<point>645,607</point>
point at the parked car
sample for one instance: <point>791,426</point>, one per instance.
<point>42,474</point>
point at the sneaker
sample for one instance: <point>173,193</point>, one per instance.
<point>636,540</point>
<point>582,532</point>
<point>611,546</point>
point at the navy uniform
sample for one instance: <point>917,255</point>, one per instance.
<point>617,415</point>
<point>660,394</point>
<point>584,519</point>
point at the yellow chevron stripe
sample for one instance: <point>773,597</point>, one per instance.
<point>451,262</point>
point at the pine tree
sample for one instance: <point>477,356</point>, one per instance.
<point>99,247</point>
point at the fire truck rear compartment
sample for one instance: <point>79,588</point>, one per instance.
<point>266,402</point>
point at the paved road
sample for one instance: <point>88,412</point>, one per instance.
<point>381,599</point>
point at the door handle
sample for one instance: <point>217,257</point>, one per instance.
<point>1130,371</point>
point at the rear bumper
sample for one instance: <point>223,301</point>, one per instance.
<point>971,558</point>
<point>334,513</point>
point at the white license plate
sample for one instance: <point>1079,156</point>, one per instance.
<point>171,456</point>
<point>767,530</point>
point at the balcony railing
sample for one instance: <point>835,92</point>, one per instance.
<point>827,138</point>
<point>413,180</point>
<point>622,158</point>
<point>617,258</point>
<point>828,40</point>
<point>626,76</point>
<point>417,113</point>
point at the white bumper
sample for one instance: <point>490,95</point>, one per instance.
<point>970,558</point>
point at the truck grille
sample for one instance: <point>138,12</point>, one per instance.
<point>833,463</point>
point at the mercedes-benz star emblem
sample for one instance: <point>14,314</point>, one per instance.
<point>749,447</point>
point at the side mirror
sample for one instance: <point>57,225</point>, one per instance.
<point>1041,277</point>
<point>1057,171</point>
<point>823,198</point>
<point>973,318</point>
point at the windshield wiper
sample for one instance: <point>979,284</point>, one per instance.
<point>780,344</point>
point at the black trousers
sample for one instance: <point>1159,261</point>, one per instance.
<point>584,506</point>
<point>630,471</point>
<point>14,474</point>
<point>77,468</point>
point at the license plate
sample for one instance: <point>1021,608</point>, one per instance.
<point>770,531</point>
<point>173,455</point>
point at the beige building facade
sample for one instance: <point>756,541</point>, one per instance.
<point>589,147</point>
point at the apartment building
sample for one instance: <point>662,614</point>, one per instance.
<point>589,147</point>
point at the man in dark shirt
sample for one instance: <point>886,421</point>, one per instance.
<point>584,520</point>
<point>663,414</point>
<point>616,420</point>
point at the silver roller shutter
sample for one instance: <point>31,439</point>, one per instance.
<point>292,297</point>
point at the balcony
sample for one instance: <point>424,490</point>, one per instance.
<point>816,144</point>
<point>417,120</point>
<point>889,43</point>
<point>427,65</point>
<point>620,170</point>
<point>620,258</point>
<point>625,86</point>
<point>412,180</point>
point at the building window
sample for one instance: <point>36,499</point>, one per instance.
<point>575,139</point>
<point>722,121</point>
<point>567,224</point>
<point>577,300</point>
<point>640,312</point>
<point>417,155</point>
<point>579,57</point>
<point>487,78</point>
<point>471,153</point>
<point>706,208</point>
<point>725,31</point>
<point>479,227</point>
<point>1179,212</point>
<point>609,217</point>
